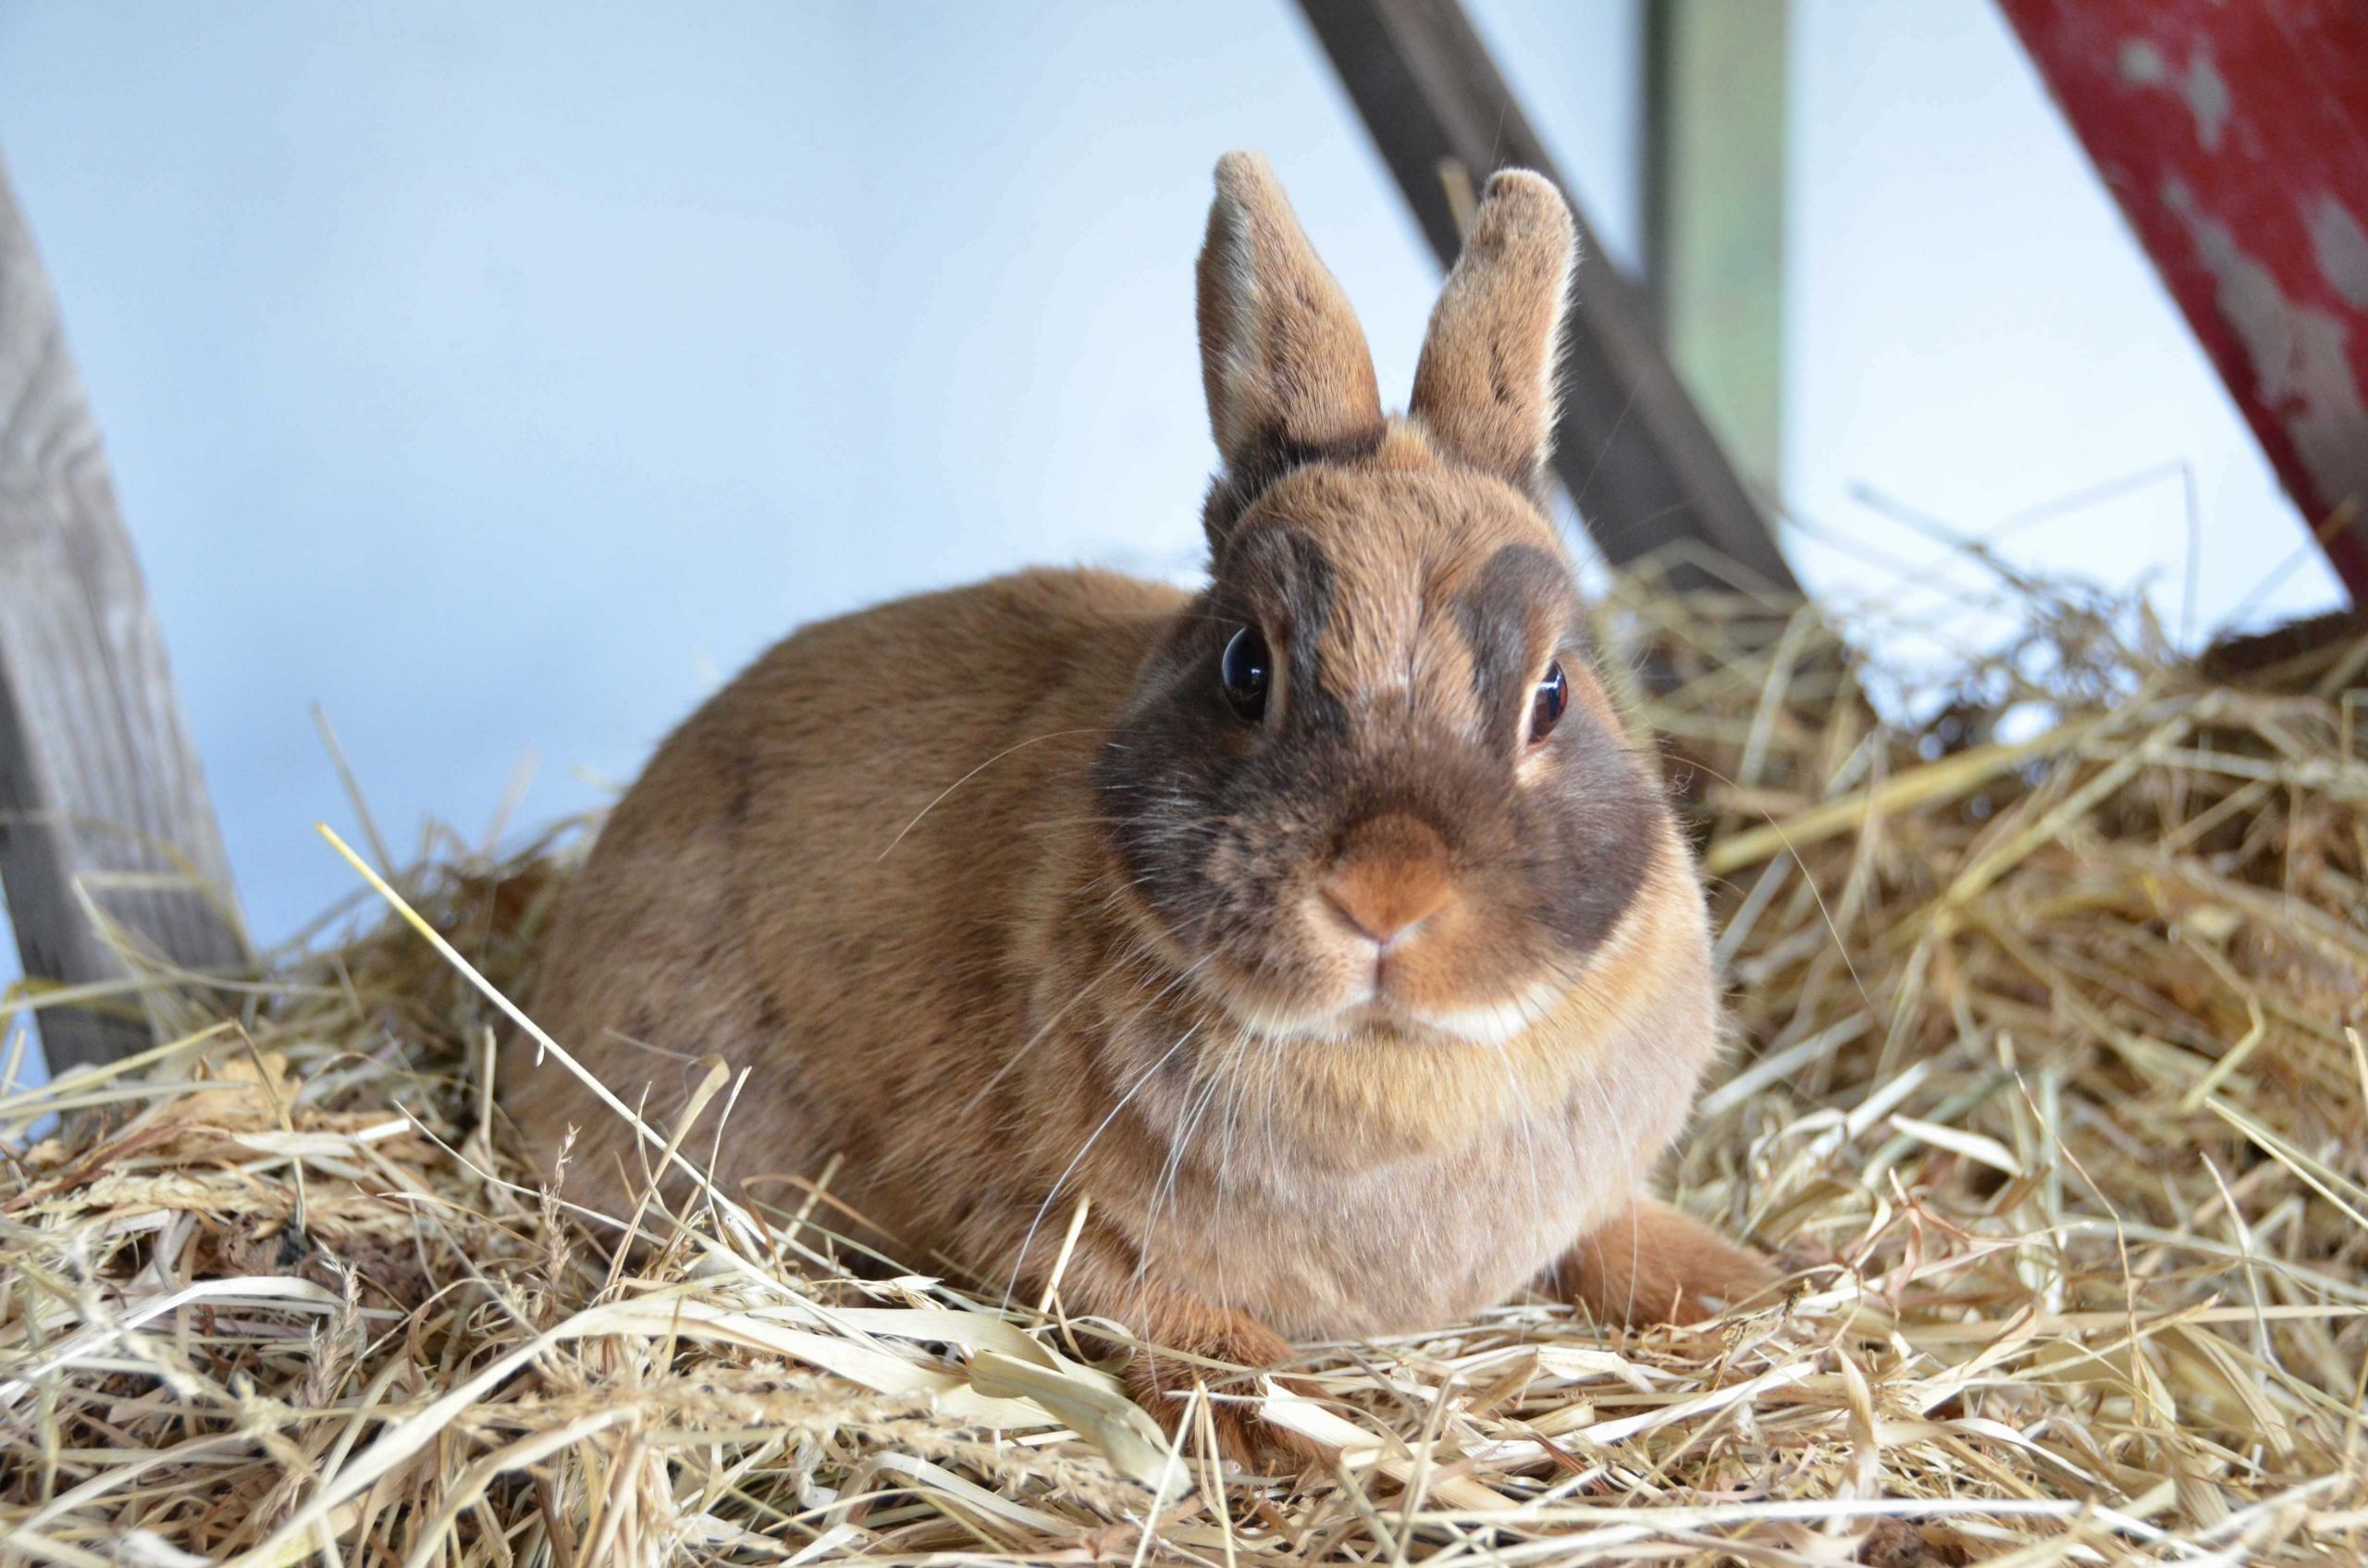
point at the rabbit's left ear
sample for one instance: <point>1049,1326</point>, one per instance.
<point>1485,390</point>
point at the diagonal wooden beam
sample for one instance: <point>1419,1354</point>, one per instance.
<point>1631,447</point>
<point>101,802</point>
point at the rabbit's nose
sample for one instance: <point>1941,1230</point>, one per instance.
<point>1392,877</point>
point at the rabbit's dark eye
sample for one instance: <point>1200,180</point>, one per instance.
<point>1547,703</point>
<point>1244,673</point>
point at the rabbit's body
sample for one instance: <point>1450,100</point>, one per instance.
<point>910,984</point>
<point>1321,933</point>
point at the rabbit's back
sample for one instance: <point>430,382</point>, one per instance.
<point>821,877</point>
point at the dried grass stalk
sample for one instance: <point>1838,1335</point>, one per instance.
<point>2052,1091</point>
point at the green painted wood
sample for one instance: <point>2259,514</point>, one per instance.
<point>1715,108</point>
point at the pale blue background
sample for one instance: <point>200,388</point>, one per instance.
<point>500,376</point>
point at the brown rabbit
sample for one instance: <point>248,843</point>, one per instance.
<point>1320,928</point>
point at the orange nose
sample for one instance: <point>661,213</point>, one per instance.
<point>1392,874</point>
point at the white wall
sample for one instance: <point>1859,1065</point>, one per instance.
<point>498,376</point>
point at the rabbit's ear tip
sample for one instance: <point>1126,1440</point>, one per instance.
<point>1525,183</point>
<point>1526,197</point>
<point>1239,168</point>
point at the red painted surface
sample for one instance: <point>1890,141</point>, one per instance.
<point>2234,133</point>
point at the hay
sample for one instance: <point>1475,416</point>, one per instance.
<point>2053,1094</point>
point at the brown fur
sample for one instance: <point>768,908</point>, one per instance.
<point>1002,907</point>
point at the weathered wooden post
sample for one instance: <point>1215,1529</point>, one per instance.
<point>102,806</point>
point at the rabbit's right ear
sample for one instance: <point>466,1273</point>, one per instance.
<point>1282,357</point>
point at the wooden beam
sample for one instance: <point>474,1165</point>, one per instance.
<point>1631,448</point>
<point>101,803</point>
<point>1714,221</point>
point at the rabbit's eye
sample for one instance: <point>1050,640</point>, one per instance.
<point>1244,672</point>
<point>1547,703</point>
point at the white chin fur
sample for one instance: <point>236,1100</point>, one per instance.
<point>1492,1024</point>
<point>1496,1023</point>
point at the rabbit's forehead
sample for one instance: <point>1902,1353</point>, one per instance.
<point>1444,592</point>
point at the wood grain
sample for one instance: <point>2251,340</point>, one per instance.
<point>102,805</point>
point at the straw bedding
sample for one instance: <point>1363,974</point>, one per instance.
<point>2050,1088</point>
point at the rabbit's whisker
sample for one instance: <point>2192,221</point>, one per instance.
<point>958,784</point>
<point>1068,1170</point>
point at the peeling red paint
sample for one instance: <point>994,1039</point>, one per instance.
<point>2235,137</point>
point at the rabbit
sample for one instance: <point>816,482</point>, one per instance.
<point>1321,933</point>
